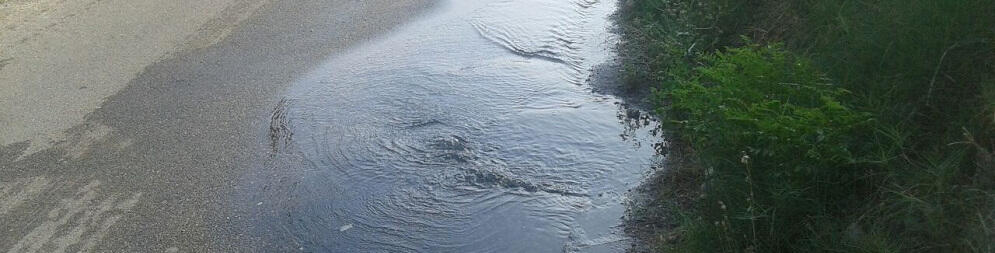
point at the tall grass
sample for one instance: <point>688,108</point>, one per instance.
<point>826,125</point>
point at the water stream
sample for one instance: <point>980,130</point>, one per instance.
<point>472,129</point>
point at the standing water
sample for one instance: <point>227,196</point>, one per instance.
<point>472,130</point>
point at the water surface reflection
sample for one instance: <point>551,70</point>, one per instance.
<point>473,129</point>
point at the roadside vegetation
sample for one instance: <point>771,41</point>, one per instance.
<point>819,125</point>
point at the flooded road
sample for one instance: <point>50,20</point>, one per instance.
<point>473,129</point>
<point>315,126</point>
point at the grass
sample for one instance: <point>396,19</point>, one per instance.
<point>824,126</point>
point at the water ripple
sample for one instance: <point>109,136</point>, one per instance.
<point>471,130</point>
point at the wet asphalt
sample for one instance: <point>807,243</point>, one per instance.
<point>180,134</point>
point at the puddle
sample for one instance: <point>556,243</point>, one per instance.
<point>471,130</point>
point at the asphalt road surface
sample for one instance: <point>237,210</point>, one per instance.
<point>315,126</point>
<point>124,122</point>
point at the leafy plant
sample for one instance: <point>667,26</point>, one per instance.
<point>777,138</point>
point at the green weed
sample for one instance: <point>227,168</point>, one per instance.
<point>844,126</point>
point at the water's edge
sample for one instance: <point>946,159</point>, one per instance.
<point>479,125</point>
